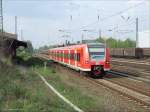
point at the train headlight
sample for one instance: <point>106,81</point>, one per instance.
<point>107,62</point>
<point>86,61</point>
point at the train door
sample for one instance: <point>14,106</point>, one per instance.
<point>72,62</point>
<point>52,54</point>
<point>78,57</point>
<point>107,59</point>
<point>49,54</point>
<point>85,58</point>
<point>56,55</point>
<point>61,56</point>
<point>66,56</point>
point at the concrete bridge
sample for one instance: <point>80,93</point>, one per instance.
<point>8,45</point>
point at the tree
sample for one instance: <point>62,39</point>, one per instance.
<point>114,43</point>
<point>29,47</point>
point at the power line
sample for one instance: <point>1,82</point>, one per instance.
<point>134,22</point>
<point>115,14</point>
<point>120,12</point>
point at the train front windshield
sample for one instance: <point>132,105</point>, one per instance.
<point>96,53</point>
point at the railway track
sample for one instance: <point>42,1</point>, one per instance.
<point>132,63</point>
<point>129,83</point>
<point>131,93</point>
<point>136,93</point>
<point>139,73</point>
<point>133,59</point>
<point>116,73</point>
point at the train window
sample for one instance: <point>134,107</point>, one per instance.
<point>61,55</point>
<point>96,53</point>
<point>68,56</point>
<point>64,55</point>
<point>96,49</point>
<point>75,57</point>
<point>72,56</point>
<point>78,56</point>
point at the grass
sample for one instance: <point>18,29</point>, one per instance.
<point>76,96</point>
<point>25,92</point>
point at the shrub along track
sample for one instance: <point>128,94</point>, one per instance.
<point>21,90</point>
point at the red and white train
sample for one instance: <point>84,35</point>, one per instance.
<point>91,57</point>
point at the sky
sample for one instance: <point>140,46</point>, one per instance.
<point>50,22</point>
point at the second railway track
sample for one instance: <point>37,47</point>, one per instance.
<point>132,91</point>
<point>134,94</point>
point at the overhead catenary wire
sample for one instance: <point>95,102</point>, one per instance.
<point>113,15</point>
<point>120,12</point>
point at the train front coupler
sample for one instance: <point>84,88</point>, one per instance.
<point>97,71</point>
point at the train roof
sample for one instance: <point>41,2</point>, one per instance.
<point>81,45</point>
<point>95,44</point>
